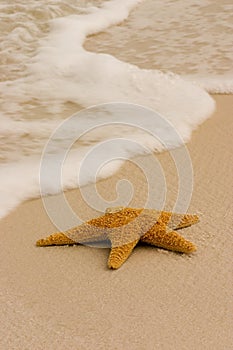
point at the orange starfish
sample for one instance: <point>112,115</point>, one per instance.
<point>124,228</point>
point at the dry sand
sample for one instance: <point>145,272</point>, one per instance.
<point>66,298</point>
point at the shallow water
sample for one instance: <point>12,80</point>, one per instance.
<point>185,37</point>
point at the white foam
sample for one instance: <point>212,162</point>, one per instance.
<point>62,71</point>
<point>215,84</point>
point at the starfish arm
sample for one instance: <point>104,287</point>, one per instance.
<point>171,240</point>
<point>172,220</point>
<point>92,231</point>
<point>178,221</point>
<point>118,255</point>
<point>81,234</point>
<point>58,238</point>
<point>123,240</point>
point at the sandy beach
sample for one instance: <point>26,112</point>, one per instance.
<point>67,298</point>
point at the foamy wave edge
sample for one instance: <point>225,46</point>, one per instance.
<point>214,84</point>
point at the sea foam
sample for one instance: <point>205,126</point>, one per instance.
<point>63,71</point>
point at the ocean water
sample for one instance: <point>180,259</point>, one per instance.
<point>60,57</point>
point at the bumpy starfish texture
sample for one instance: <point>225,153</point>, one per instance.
<point>124,228</point>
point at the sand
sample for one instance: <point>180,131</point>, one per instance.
<point>66,298</point>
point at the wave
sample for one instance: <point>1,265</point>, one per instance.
<point>63,71</point>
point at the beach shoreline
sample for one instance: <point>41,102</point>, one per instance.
<point>66,297</point>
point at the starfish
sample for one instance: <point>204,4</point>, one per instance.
<point>124,228</point>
